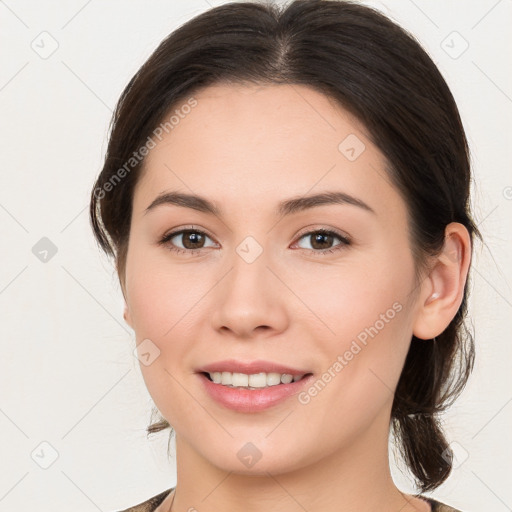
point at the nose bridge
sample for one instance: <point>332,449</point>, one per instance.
<point>248,297</point>
<point>249,250</point>
<point>248,280</point>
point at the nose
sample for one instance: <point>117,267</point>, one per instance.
<point>250,300</point>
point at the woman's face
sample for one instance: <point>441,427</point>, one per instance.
<point>257,281</point>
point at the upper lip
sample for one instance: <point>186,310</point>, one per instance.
<point>250,367</point>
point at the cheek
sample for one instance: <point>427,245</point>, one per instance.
<point>362,361</point>
<point>365,328</point>
<point>344,300</point>
<point>161,295</point>
<point>164,302</point>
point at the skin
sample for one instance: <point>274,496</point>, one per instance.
<point>246,148</point>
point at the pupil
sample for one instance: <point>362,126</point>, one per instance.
<point>318,239</point>
<point>192,238</point>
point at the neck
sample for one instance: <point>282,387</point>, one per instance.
<point>354,478</point>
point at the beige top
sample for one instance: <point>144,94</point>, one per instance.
<point>152,504</point>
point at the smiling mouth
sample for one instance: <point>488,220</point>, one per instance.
<point>255,381</point>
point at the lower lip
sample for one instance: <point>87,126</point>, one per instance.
<point>252,400</point>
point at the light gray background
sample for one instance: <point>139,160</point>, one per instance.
<point>68,377</point>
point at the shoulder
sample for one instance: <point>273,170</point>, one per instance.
<point>150,504</point>
<point>437,506</point>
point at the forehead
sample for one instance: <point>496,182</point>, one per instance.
<point>268,121</point>
<point>264,142</point>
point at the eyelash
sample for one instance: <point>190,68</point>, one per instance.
<point>345,241</point>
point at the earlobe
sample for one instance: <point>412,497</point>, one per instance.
<point>442,290</point>
<point>126,312</point>
<point>126,316</point>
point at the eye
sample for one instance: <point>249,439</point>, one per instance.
<point>191,240</point>
<point>321,241</point>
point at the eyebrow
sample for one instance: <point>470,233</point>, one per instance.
<point>287,207</point>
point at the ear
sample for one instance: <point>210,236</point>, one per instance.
<point>126,315</point>
<point>122,283</point>
<point>442,289</point>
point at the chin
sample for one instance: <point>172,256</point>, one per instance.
<point>256,458</point>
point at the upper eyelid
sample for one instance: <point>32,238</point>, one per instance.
<point>334,231</point>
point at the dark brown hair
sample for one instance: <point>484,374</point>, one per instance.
<point>378,72</point>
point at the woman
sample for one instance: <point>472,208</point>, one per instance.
<point>286,196</point>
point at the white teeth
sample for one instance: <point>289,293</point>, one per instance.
<point>255,380</point>
<point>258,380</point>
<point>239,380</point>
<point>226,378</point>
<point>286,378</point>
<point>273,379</point>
